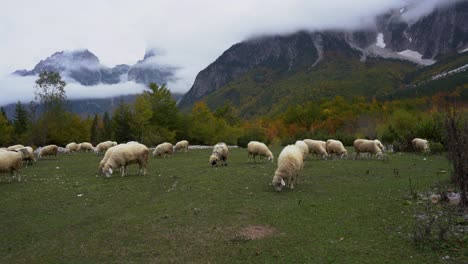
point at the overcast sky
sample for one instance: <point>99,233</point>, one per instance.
<point>190,34</point>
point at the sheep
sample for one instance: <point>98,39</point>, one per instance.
<point>336,147</point>
<point>50,150</point>
<point>219,154</point>
<point>11,161</point>
<point>103,146</point>
<point>255,148</point>
<point>72,147</point>
<point>63,150</point>
<point>27,154</point>
<point>290,163</point>
<point>125,155</point>
<point>303,147</point>
<point>163,149</point>
<point>85,146</point>
<point>367,146</point>
<point>420,145</point>
<point>184,144</point>
<point>318,147</point>
<point>14,147</point>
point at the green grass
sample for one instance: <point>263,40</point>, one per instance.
<point>184,211</point>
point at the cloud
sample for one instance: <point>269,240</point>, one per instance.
<point>24,89</point>
<point>189,34</point>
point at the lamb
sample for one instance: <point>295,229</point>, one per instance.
<point>50,150</point>
<point>367,146</point>
<point>27,154</point>
<point>184,144</point>
<point>72,147</point>
<point>219,154</point>
<point>336,147</point>
<point>255,148</point>
<point>420,145</point>
<point>10,162</point>
<point>290,163</point>
<point>303,147</point>
<point>163,149</point>
<point>124,155</point>
<point>85,146</point>
<point>103,146</point>
<point>318,147</point>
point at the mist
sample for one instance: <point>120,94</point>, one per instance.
<point>189,35</point>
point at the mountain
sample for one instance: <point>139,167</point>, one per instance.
<point>263,75</point>
<point>84,67</point>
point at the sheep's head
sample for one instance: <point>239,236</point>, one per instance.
<point>213,160</point>
<point>278,183</point>
<point>107,170</point>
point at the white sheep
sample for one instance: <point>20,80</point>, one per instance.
<point>72,147</point>
<point>28,154</point>
<point>11,162</point>
<point>317,147</point>
<point>107,155</point>
<point>290,163</point>
<point>124,155</point>
<point>163,150</point>
<point>303,147</point>
<point>336,147</point>
<point>103,146</point>
<point>63,150</point>
<point>219,155</point>
<point>367,146</point>
<point>85,146</point>
<point>255,148</point>
<point>183,144</point>
<point>49,150</point>
<point>15,147</point>
<point>420,145</point>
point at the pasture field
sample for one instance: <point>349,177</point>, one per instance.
<point>184,211</point>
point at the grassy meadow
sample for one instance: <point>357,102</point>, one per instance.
<point>184,211</point>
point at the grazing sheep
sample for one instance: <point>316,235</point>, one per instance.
<point>290,163</point>
<point>163,150</point>
<point>317,147</point>
<point>28,155</point>
<point>303,147</point>
<point>10,162</point>
<point>336,147</point>
<point>219,154</point>
<point>50,150</point>
<point>124,155</point>
<point>72,147</point>
<point>85,146</point>
<point>63,150</point>
<point>13,148</point>
<point>420,145</point>
<point>103,146</point>
<point>184,144</point>
<point>367,146</point>
<point>255,148</point>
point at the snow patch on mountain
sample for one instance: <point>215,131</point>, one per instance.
<point>380,40</point>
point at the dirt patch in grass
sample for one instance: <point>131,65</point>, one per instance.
<point>254,232</point>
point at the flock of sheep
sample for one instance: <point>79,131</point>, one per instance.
<point>119,156</point>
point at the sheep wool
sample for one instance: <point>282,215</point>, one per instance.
<point>420,145</point>
<point>125,155</point>
<point>49,150</point>
<point>182,145</point>
<point>317,147</point>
